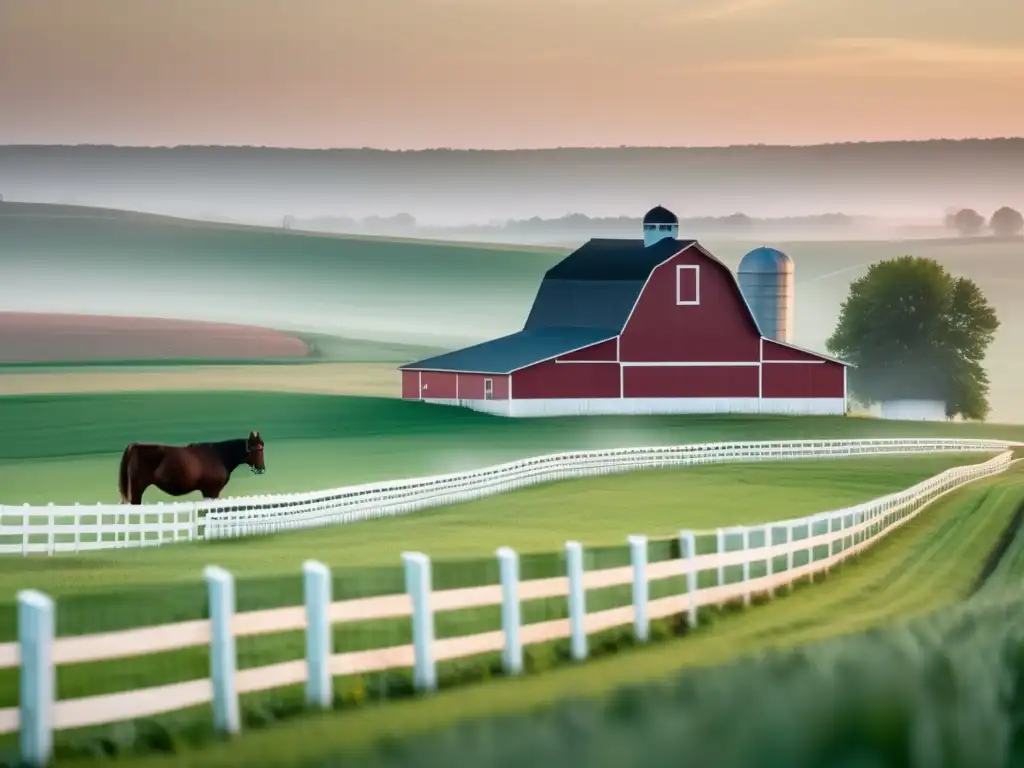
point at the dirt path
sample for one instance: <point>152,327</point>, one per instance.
<point>368,379</point>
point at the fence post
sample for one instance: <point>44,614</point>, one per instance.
<point>193,519</point>
<point>790,527</point>
<point>51,522</point>
<point>221,590</point>
<point>317,588</point>
<point>512,656</point>
<point>688,551</point>
<point>577,599</point>
<point>747,565</point>
<point>769,562</point>
<point>38,684</point>
<point>26,524</point>
<point>641,589</point>
<point>418,586</point>
<point>720,548</point>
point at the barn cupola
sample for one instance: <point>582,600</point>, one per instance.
<point>659,224</point>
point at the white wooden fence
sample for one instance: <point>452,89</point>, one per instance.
<point>39,654</point>
<point>78,528</point>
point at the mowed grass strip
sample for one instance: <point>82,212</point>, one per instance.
<point>65,448</point>
<point>927,564</point>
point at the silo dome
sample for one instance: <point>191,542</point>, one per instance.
<point>659,223</point>
<point>766,281</point>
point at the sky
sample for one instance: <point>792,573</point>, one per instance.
<point>412,74</point>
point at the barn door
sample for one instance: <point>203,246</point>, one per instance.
<point>488,389</point>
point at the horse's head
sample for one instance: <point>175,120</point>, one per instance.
<point>254,453</point>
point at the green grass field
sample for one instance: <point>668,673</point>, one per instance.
<point>928,564</point>
<point>65,448</point>
<point>106,591</point>
<point>933,687</point>
<point>598,512</point>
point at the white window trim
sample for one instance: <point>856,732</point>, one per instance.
<point>696,270</point>
<point>488,389</point>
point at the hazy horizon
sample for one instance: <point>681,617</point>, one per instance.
<point>915,180</point>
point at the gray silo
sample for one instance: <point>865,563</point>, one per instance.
<point>766,280</point>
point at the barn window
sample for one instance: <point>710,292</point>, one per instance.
<point>687,284</point>
<point>488,389</point>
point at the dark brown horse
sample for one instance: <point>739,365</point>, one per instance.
<point>177,470</point>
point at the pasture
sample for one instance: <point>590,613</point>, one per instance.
<point>599,512</point>
<point>65,438</point>
<point>65,448</point>
<point>928,564</point>
<point>406,292</point>
<point>925,686</point>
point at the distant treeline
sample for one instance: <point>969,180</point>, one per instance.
<point>578,223</point>
<point>890,179</point>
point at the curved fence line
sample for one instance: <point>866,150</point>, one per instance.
<point>77,528</point>
<point>827,539</point>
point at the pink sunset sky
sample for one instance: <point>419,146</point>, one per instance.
<point>508,73</point>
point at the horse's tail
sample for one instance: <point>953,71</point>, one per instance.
<point>124,480</point>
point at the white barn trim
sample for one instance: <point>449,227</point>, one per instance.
<point>610,406</point>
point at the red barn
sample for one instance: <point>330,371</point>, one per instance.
<point>635,326</point>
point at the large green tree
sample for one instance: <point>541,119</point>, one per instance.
<point>914,331</point>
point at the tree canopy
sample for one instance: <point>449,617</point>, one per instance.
<point>967,222</point>
<point>1006,222</point>
<point>914,331</point>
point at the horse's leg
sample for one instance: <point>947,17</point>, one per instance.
<point>140,478</point>
<point>138,488</point>
<point>212,491</point>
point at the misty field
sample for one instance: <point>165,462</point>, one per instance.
<point>408,292</point>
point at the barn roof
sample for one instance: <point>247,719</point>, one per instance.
<point>518,350</point>
<point>597,285</point>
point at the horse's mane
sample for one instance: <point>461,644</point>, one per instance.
<point>231,452</point>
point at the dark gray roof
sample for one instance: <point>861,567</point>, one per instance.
<point>660,215</point>
<point>518,350</point>
<point>584,299</point>
<point>583,303</point>
<point>602,259</point>
<point>597,285</point>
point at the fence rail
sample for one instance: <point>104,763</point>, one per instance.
<point>54,529</point>
<point>38,652</point>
